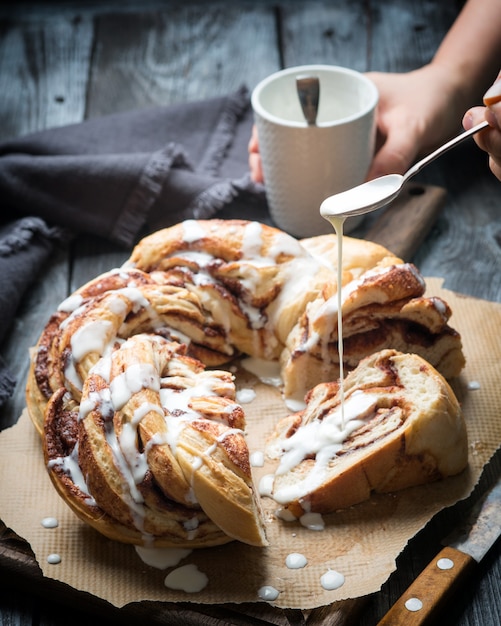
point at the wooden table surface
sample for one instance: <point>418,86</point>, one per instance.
<point>63,62</point>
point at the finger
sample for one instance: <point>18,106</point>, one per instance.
<point>490,141</point>
<point>255,167</point>
<point>253,141</point>
<point>495,167</point>
<point>394,157</point>
<point>493,94</point>
<point>490,138</point>
<point>473,116</point>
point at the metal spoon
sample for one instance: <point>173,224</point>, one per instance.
<point>308,90</point>
<point>380,191</point>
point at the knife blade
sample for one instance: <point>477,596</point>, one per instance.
<point>464,549</point>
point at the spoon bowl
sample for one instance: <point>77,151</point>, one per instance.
<point>378,192</point>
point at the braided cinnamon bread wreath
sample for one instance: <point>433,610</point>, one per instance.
<point>139,436</point>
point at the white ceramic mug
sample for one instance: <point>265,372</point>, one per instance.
<point>302,164</point>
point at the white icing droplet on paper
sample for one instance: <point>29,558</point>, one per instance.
<point>413,604</point>
<point>445,564</point>
<point>265,487</point>
<point>331,580</point>
<point>244,396</point>
<point>50,522</point>
<point>53,559</point>
<point>285,515</point>
<point>294,405</point>
<point>312,521</point>
<point>268,372</point>
<point>296,560</point>
<point>187,578</point>
<point>268,593</point>
<point>162,558</point>
<point>257,459</point>
<point>473,385</point>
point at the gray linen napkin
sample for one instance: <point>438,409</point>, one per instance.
<point>118,177</point>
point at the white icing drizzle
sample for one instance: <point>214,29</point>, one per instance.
<point>75,313</point>
<point>329,309</point>
<point>445,564</point>
<point>187,578</point>
<point>180,400</point>
<point>440,306</point>
<point>331,580</point>
<point>413,604</point>
<point>71,303</point>
<point>325,437</point>
<point>265,487</point>
<point>257,459</point>
<point>71,375</point>
<point>268,372</point>
<point>162,558</point>
<point>268,593</point>
<point>252,241</point>
<point>54,559</point>
<point>192,231</point>
<point>202,259</point>
<point>50,522</point>
<point>136,377</point>
<point>103,366</point>
<point>294,404</point>
<point>199,461</point>
<point>132,496</point>
<point>69,465</point>
<point>322,439</point>
<point>295,560</point>
<point>312,521</point>
<point>91,337</point>
<point>246,395</point>
<point>338,223</point>
<point>191,527</point>
<point>285,515</point>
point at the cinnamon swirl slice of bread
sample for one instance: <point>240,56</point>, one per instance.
<point>400,425</point>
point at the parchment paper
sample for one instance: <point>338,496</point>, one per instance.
<point>362,543</point>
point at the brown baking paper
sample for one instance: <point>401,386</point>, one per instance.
<point>361,543</point>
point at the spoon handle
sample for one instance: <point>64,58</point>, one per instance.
<point>417,167</point>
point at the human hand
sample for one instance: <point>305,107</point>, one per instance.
<point>255,164</point>
<point>489,139</point>
<point>417,111</point>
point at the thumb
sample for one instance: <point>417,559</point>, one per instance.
<point>394,157</point>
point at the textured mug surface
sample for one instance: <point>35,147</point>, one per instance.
<point>302,165</point>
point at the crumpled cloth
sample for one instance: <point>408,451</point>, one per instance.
<point>117,176</point>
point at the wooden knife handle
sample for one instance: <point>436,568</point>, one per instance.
<point>425,597</point>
